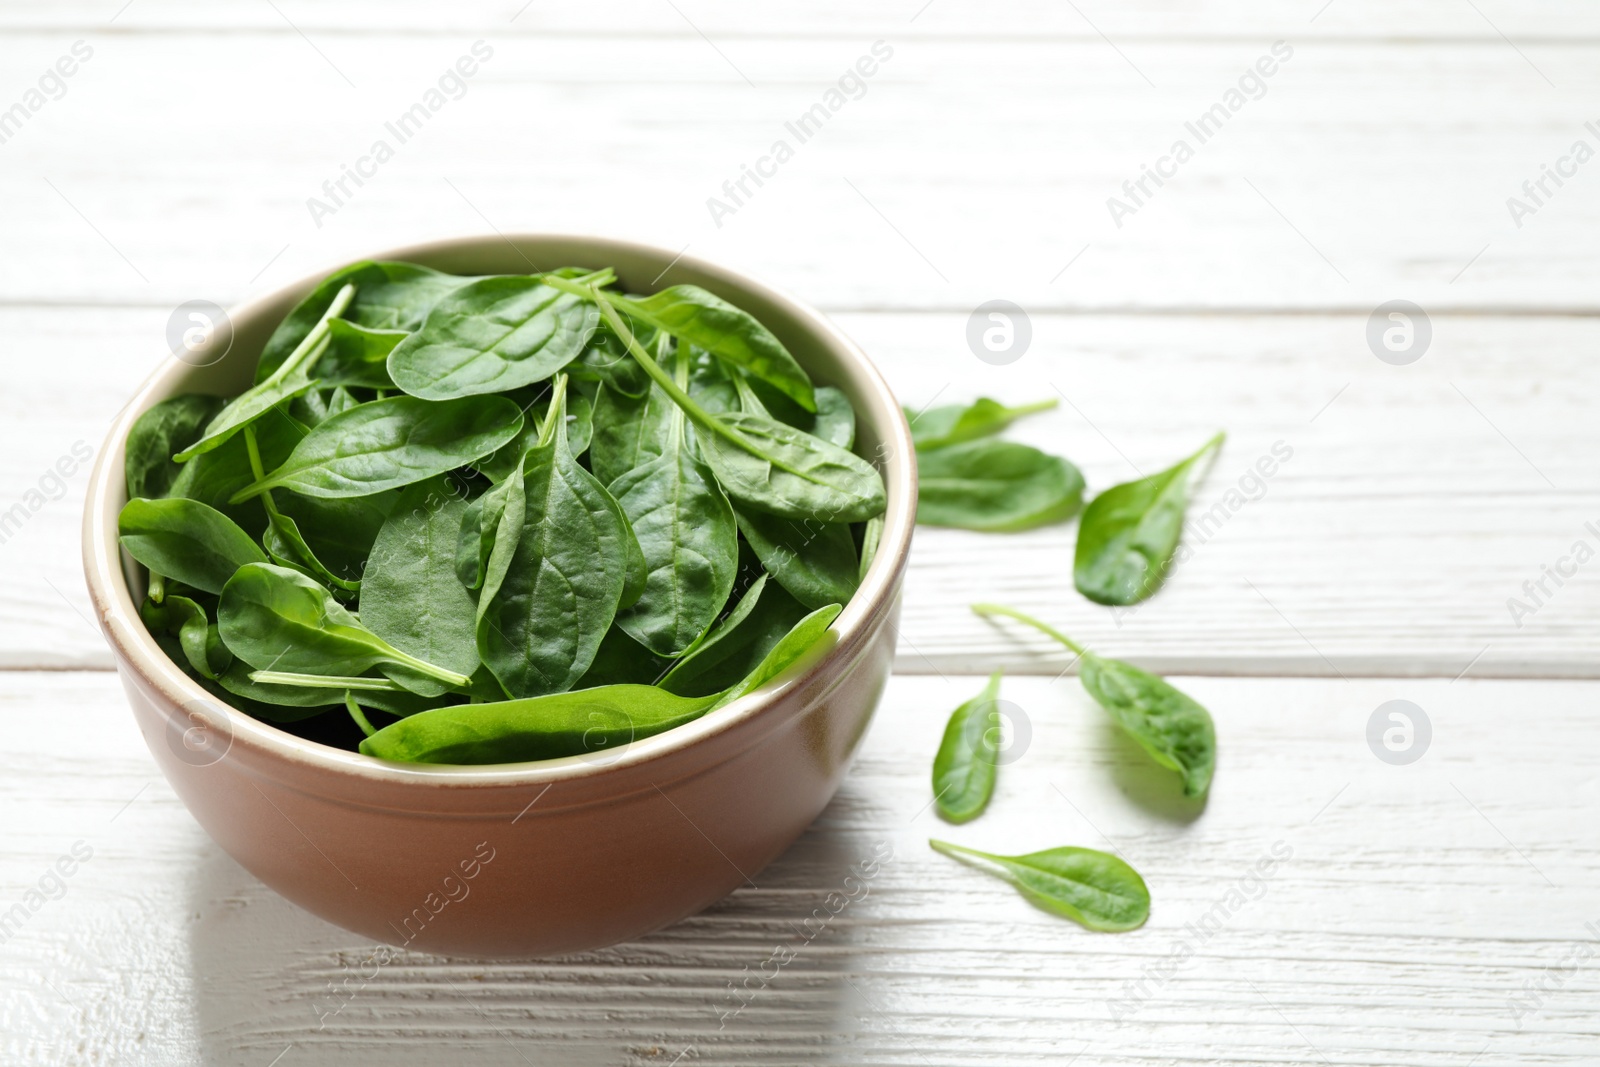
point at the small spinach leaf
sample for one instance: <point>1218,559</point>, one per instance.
<point>965,766</point>
<point>737,644</point>
<point>186,541</point>
<point>807,641</point>
<point>410,595</point>
<point>1171,726</point>
<point>391,443</point>
<point>287,382</point>
<point>276,619</point>
<point>557,573</point>
<point>161,430</point>
<point>628,431</point>
<point>490,336</point>
<point>357,357</point>
<point>955,423</point>
<point>995,486</point>
<point>1130,531</point>
<point>547,727</point>
<point>705,320</point>
<point>1091,888</point>
<point>389,296</point>
<point>815,561</point>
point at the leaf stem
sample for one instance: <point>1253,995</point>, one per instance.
<point>326,681</point>
<point>959,852</point>
<point>557,415</point>
<point>315,342</point>
<point>987,610</point>
<point>699,415</point>
<point>357,714</point>
<point>422,666</point>
<point>157,591</point>
<point>1034,408</point>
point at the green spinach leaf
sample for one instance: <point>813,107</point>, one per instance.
<point>390,296</point>
<point>387,444</point>
<point>557,572</point>
<point>995,486</point>
<point>815,561</point>
<point>538,728</point>
<point>490,336</point>
<point>807,641</point>
<point>1092,888</point>
<point>686,531</point>
<point>276,619</point>
<point>163,429</point>
<point>186,541</point>
<point>705,320</point>
<point>287,382</point>
<point>1130,531</point>
<point>1171,726</point>
<point>954,423</point>
<point>965,766</point>
<point>410,595</point>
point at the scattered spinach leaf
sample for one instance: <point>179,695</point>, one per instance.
<point>965,766</point>
<point>954,423</point>
<point>995,486</point>
<point>1094,889</point>
<point>1130,531</point>
<point>1171,726</point>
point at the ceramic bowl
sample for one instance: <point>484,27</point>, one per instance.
<point>522,859</point>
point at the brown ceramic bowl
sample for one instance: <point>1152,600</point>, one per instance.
<point>532,858</point>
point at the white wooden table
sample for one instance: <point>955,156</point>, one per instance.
<point>1444,912</point>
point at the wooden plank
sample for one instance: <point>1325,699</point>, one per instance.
<point>1548,23</point>
<point>1402,930</point>
<point>1391,542</point>
<point>969,169</point>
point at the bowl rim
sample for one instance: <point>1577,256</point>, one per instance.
<point>137,651</point>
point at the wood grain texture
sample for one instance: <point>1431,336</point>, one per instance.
<point>1412,906</point>
<point>1413,509</point>
<point>969,168</point>
<point>1550,23</point>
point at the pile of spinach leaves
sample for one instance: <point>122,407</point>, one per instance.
<point>509,517</point>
